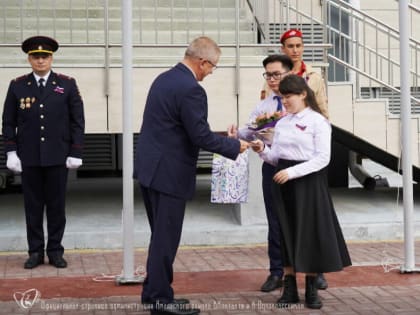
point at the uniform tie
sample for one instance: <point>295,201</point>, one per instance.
<point>41,85</point>
<point>279,104</point>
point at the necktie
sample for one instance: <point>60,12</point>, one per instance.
<point>41,85</point>
<point>279,104</point>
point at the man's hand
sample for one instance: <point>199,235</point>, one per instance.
<point>244,145</point>
<point>13,162</point>
<point>232,131</point>
<point>73,163</point>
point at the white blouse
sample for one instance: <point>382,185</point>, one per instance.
<point>305,136</point>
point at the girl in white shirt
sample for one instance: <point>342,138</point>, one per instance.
<point>312,239</point>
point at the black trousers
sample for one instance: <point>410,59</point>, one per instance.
<point>166,215</point>
<point>45,188</point>
<point>274,229</point>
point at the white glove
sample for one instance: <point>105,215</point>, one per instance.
<point>73,163</point>
<point>13,162</point>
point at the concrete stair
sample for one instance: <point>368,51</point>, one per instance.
<point>170,22</point>
<point>371,120</point>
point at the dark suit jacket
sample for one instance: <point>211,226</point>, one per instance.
<point>174,128</point>
<point>44,130</point>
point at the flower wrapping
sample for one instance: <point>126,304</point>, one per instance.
<point>263,127</point>
<point>266,135</point>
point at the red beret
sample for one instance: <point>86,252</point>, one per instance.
<point>294,32</point>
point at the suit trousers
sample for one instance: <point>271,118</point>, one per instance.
<point>45,188</point>
<point>166,215</point>
<point>274,230</point>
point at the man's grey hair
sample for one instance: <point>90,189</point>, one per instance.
<point>203,47</point>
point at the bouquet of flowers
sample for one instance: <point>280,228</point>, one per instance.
<point>263,126</point>
<point>267,120</point>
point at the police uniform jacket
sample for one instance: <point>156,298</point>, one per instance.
<point>43,129</point>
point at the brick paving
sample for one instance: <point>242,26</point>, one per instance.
<point>219,280</point>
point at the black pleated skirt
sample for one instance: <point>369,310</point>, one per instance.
<point>312,239</point>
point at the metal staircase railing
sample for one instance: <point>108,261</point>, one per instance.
<point>371,47</point>
<point>276,16</point>
<point>414,13</point>
<point>365,49</point>
<point>348,29</point>
<point>370,77</point>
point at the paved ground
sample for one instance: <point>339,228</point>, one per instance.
<point>93,211</point>
<point>219,280</point>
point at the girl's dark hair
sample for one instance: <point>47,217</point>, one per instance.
<point>294,84</point>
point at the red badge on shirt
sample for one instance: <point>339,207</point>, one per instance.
<point>301,127</point>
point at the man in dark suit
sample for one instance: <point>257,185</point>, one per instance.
<point>174,128</point>
<point>43,129</point>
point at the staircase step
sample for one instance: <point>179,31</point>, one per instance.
<point>114,24</point>
<point>139,13</point>
<point>94,56</point>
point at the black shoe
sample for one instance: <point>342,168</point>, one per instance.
<point>273,282</point>
<point>321,283</point>
<point>290,293</point>
<point>34,260</point>
<point>57,261</point>
<point>312,299</point>
<point>173,309</point>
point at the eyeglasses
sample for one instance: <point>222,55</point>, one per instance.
<point>212,64</point>
<point>274,75</point>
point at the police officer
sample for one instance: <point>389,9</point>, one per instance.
<point>43,130</point>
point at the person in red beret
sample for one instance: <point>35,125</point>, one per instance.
<point>292,46</point>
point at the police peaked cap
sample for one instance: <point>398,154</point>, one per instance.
<point>39,44</point>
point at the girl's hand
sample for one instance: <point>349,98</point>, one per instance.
<point>257,145</point>
<point>281,177</point>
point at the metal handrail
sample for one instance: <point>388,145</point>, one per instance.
<point>257,22</point>
<point>413,7</point>
<point>365,51</point>
<point>371,50</point>
<point>392,88</point>
<point>340,4</point>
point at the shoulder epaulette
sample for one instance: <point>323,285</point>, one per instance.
<point>63,76</point>
<point>21,77</point>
